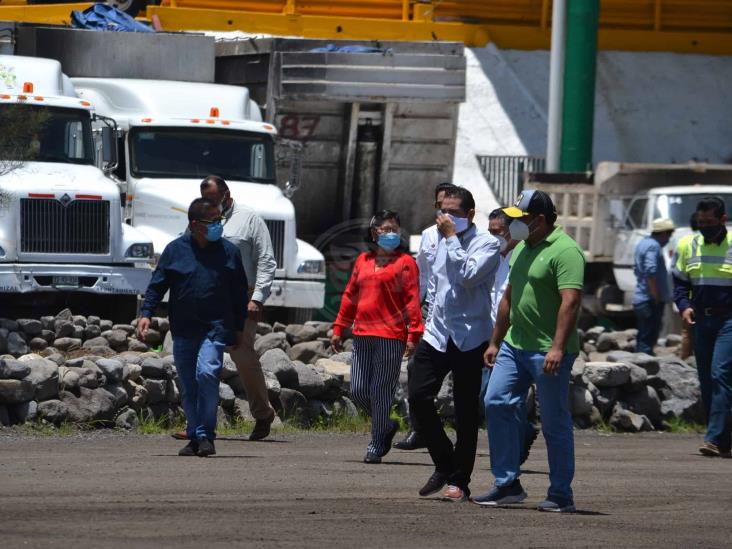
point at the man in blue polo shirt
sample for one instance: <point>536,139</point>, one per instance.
<point>651,289</point>
<point>207,309</point>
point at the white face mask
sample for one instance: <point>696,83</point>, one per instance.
<point>461,223</point>
<point>503,242</point>
<point>519,230</point>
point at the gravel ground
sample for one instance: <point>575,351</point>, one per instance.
<point>107,489</point>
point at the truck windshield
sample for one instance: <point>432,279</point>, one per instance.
<point>196,153</point>
<point>680,207</point>
<point>45,134</point>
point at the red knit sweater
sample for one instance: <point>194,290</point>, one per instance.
<point>383,303</point>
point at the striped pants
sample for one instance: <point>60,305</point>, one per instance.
<point>374,378</point>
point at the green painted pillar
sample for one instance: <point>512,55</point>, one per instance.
<point>579,85</point>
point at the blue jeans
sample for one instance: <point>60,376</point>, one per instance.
<point>199,362</point>
<point>649,316</point>
<point>527,427</point>
<point>509,382</point>
<point>713,350</point>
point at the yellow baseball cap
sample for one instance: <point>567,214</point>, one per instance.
<point>531,202</point>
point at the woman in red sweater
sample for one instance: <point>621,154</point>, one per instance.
<point>381,304</point>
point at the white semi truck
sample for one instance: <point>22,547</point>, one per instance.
<point>61,226</point>
<point>172,135</point>
<point>610,216</point>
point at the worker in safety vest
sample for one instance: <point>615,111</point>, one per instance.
<point>703,293</point>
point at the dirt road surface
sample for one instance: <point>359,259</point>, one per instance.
<point>312,490</point>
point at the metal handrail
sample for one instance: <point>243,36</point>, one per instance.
<point>505,174</point>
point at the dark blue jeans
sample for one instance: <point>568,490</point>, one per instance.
<point>713,350</point>
<point>649,316</point>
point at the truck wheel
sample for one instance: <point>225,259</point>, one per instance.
<point>606,296</point>
<point>130,7</point>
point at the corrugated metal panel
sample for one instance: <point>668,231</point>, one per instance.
<point>372,77</point>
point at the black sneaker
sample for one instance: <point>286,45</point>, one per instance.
<point>411,442</point>
<point>370,457</point>
<point>205,448</point>
<point>434,484</point>
<point>190,449</point>
<point>390,437</point>
<point>529,439</point>
<point>502,495</point>
<point>552,506</point>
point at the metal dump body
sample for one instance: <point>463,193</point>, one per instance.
<point>409,93</point>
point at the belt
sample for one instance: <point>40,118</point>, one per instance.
<point>717,311</point>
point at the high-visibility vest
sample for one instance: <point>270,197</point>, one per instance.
<point>704,264</point>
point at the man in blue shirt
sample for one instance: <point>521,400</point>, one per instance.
<point>456,335</point>
<point>207,309</point>
<point>652,288</point>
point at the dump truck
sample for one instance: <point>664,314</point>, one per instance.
<point>173,134</point>
<point>61,226</point>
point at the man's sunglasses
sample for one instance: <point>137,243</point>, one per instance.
<point>210,221</point>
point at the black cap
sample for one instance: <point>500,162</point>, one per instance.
<point>532,202</point>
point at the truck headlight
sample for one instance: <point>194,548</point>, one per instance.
<point>140,251</point>
<point>313,266</point>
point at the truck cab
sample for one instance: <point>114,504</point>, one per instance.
<point>61,227</point>
<point>678,204</point>
<point>172,135</point>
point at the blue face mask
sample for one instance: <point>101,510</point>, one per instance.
<point>389,241</point>
<point>214,231</point>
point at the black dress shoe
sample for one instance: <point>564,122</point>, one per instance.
<point>205,448</point>
<point>371,458</point>
<point>190,449</point>
<point>434,484</point>
<point>411,442</point>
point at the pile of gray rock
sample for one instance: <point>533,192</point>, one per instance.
<point>632,391</point>
<point>86,370</point>
<point>71,368</point>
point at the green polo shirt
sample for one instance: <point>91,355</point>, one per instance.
<point>537,275</point>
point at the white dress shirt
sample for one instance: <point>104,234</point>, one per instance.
<point>499,285</point>
<point>426,257</point>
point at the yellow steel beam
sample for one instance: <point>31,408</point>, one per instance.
<point>50,14</point>
<point>312,26</point>
<point>524,37</point>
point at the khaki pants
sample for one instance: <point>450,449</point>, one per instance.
<point>687,342</point>
<point>250,371</point>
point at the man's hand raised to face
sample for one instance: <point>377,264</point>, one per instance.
<point>445,225</point>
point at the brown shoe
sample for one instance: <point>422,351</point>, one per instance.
<point>180,435</point>
<point>262,428</point>
<point>454,494</point>
<point>709,449</point>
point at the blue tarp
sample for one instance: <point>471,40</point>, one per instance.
<point>101,17</point>
<point>332,48</point>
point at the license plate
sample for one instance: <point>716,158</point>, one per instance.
<point>66,281</point>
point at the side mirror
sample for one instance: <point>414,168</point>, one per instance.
<point>108,143</point>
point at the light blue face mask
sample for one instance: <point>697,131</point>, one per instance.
<point>214,231</point>
<point>389,241</point>
<point>461,223</point>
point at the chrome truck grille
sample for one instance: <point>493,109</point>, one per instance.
<point>276,229</point>
<point>48,226</point>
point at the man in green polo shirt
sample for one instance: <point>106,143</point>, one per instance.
<point>535,340</point>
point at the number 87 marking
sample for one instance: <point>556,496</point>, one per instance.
<point>295,126</point>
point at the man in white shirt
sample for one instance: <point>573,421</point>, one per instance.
<point>498,223</point>
<point>425,258</point>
